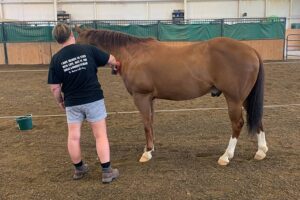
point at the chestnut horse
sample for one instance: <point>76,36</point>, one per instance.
<point>154,70</point>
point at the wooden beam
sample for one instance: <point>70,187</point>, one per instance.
<point>55,9</point>
<point>1,11</point>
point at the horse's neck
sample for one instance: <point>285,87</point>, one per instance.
<point>128,52</point>
<point>121,54</point>
<point>116,52</point>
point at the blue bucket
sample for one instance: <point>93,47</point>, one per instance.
<point>24,122</point>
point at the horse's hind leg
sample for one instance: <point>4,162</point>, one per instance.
<point>262,144</point>
<point>237,122</point>
<point>144,103</point>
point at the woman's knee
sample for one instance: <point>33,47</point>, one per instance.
<point>99,129</point>
<point>74,131</point>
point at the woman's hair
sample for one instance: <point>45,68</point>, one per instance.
<point>61,33</point>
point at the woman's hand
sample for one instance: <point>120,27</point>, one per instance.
<point>114,64</point>
<point>62,106</point>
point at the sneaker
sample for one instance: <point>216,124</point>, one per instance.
<point>110,175</point>
<point>80,173</point>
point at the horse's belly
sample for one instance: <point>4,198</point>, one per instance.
<point>181,93</point>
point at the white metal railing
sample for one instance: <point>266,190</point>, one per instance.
<point>292,46</point>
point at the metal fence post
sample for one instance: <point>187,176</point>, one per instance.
<point>157,29</point>
<point>4,43</point>
<point>50,32</point>
<point>222,27</point>
<point>284,40</point>
<point>50,37</point>
<point>95,24</point>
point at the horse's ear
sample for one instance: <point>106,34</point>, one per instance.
<point>78,29</point>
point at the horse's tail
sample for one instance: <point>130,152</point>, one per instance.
<point>255,101</point>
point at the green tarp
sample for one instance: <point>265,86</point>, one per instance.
<point>161,31</point>
<point>27,33</point>
<point>254,31</point>
<point>188,32</point>
<point>1,33</point>
<point>295,26</point>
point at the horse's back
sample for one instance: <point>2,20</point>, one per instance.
<point>231,48</point>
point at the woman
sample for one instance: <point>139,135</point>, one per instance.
<point>73,73</point>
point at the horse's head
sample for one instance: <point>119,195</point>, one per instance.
<point>78,29</point>
<point>79,32</point>
<point>82,32</point>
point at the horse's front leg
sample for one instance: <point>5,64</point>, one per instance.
<point>144,103</point>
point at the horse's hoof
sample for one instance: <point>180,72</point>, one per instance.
<point>223,162</point>
<point>146,156</point>
<point>260,155</point>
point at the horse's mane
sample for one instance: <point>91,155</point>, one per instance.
<point>111,40</point>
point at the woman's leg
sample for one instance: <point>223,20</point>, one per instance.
<point>74,142</point>
<point>102,143</point>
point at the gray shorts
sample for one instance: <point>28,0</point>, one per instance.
<point>92,112</point>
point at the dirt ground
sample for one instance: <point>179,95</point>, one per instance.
<point>35,164</point>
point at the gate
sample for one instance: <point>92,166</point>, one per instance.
<point>292,46</point>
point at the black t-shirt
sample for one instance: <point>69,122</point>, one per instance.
<point>75,67</point>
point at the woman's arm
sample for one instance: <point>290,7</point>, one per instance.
<point>56,91</point>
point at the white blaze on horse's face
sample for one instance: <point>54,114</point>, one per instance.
<point>229,153</point>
